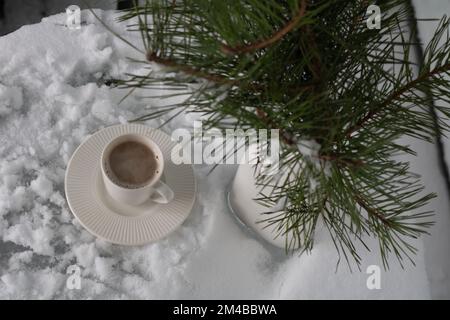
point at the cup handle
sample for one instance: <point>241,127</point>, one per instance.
<point>163,194</point>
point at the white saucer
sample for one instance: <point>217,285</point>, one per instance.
<point>117,222</point>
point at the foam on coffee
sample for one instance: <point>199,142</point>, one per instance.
<point>132,164</point>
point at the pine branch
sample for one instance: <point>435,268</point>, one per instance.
<point>152,57</point>
<point>371,211</point>
<point>275,37</point>
<point>322,76</point>
<point>395,95</point>
<point>316,68</point>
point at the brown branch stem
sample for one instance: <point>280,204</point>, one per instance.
<point>276,36</point>
<point>285,137</point>
<point>338,159</point>
<point>395,95</point>
<point>153,57</point>
<point>372,212</point>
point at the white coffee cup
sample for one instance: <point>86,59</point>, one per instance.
<point>153,189</point>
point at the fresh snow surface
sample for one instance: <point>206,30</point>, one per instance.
<point>52,97</point>
<point>10,99</point>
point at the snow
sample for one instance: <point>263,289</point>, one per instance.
<point>40,284</point>
<point>308,148</point>
<point>42,186</point>
<point>10,99</point>
<point>85,254</point>
<point>60,75</point>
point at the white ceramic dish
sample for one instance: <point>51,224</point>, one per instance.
<point>120,223</point>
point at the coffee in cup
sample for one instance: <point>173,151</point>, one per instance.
<point>132,166</point>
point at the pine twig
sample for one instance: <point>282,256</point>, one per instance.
<point>313,79</point>
<point>395,95</point>
<point>372,212</point>
<point>263,43</point>
<point>153,57</point>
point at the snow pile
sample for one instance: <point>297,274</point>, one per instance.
<point>63,97</point>
<point>308,148</point>
<point>10,99</point>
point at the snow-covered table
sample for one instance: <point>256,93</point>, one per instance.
<point>52,95</point>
